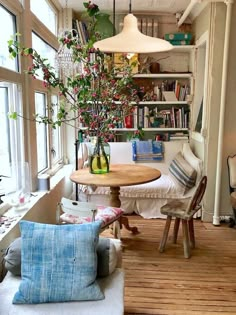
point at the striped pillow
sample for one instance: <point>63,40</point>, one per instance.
<point>182,172</point>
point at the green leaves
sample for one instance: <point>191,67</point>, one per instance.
<point>92,9</point>
<point>13,115</point>
<point>99,94</point>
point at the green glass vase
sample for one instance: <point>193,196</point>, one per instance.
<point>103,25</point>
<point>99,157</point>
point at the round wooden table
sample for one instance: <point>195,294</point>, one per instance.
<point>119,175</point>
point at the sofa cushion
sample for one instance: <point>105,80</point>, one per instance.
<point>107,257</point>
<point>182,172</point>
<point>194,161</point>
<point>58,263</point>
<point>13,257</point>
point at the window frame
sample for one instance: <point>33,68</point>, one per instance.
<point>202,43</point>
<point>26,23</point>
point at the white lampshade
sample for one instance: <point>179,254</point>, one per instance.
<point>131,40</point>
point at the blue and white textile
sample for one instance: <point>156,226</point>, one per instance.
<point>58,263</point>
<point>147,150</point>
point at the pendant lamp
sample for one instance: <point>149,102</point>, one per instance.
<point>131,40</point>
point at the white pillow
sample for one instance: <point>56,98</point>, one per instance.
<point>194,161</point>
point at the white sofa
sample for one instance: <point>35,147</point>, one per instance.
<point>146,199</point>
<point>112,287</point>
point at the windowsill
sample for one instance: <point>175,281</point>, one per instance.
<point>12,215</point>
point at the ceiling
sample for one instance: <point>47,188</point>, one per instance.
<point>122,6</point>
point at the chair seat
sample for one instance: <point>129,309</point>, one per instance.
<point>105,214</point>
<point>177,208</point>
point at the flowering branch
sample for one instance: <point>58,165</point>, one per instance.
<point>98,97</point>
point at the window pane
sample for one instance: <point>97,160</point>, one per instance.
<point>44,50</point>
<point>11,144</point>
<point>8,20</point>
<point>45,14</point>
<point>5,149</point>
<point>56,134</point>
<point>41,132</point>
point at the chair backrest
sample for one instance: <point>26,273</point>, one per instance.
<point>78,208</point>
<point>194,203</point>
<point>231,162</point>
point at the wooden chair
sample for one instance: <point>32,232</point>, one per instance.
<point>231,162</point>
<point>183,211</point>
<point>78,212</point>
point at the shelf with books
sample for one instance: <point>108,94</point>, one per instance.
<point>162,75</point>
<point>146,103</point>
<point>162,103</point>
<point>165,129</point>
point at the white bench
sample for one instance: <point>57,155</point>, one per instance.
<point>112,287</point>
<point>146,199</point>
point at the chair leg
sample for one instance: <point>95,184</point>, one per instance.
<point>58,212</point>
<point>165,234</point>
<point>116,229</point>
<point>187,251</point>
<point>176,230</point>
<point>191,233</point>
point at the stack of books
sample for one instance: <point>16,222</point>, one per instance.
<point>178,136</point>
<point>179,38</point>
<point>81,28</point>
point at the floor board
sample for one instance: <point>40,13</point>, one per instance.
<point>169,284</point>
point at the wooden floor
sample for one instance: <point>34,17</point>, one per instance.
<point>170,284</point>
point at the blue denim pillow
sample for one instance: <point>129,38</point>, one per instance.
<point>58,263</point>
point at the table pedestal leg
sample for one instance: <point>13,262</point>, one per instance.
<point>115,202</point>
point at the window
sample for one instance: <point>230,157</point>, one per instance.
<point>56,134</point>
<point>45,14</point>
<point>11,144</point>
<point>200,91</point>
<point>41,132</point>
<point>9,21</point>
<point>44,50</point>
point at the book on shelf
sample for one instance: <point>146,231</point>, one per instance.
<point>144,26</point>
<point>140,24</point>
<point>135,117</point>
<point>146,117</point>
<point>81,32</point>
<point>140,117</point>
<point>155,27</point>
<point>180,42</point>
<point>178,36</point>
<point>169,96</point>
<point>178,136</point>
<point>150,27</point>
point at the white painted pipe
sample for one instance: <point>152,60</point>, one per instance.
<point>187,12</point>
<point>216,216</point>
<point>190,8</point>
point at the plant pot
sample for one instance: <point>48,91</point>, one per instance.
<point>154,67</point>
<point>99,157</point>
